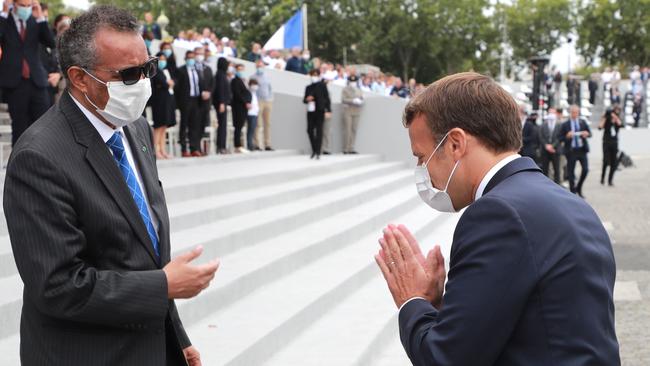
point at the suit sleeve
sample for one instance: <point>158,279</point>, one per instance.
<point>326,95</point>
<point>49,251</point>
<point>45,35</point>
<point>3,26</point>
<point>490,279</point>
<point>307,93</point>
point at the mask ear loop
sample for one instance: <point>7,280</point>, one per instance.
<point>451,175</point>
<point>436,149</point>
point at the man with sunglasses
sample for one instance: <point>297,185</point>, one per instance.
<point>89,225</point>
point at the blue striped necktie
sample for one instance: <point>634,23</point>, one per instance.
<point>117,146</point>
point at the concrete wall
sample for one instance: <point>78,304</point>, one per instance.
<point>380,130</point>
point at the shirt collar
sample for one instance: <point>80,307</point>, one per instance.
<point>102,128</point>
<point>491,173</point>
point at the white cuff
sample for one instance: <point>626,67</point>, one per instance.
<point>41,20</point>
<point>4,15</point>
<point>407,301</point>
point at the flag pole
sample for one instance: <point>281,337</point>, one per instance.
<point>304,27</point>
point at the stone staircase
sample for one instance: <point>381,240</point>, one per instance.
<point>296,237</point>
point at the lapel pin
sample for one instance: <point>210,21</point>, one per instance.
<point>144,149</point>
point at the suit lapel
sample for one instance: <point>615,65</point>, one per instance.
<point>103,163</point>
<point>514,167</point>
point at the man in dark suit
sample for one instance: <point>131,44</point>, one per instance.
<point>207,85</point>
<point>575,132</point>
<point>522,273</point>
<point>89,226</point>
<point>317,98</point>
<point>530,137</point>
<point>551,144</point>
<point>23,78</point>
<point>188,91</point>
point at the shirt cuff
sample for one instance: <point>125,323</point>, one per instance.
<point>41,20</point>
<point>4,15</point>
<point>407,301</point>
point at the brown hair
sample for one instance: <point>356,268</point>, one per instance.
<point>472,102</point>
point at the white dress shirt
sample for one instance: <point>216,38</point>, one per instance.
<point>106,133</point>
<point>479,193</point>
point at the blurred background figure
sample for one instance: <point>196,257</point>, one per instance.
<point>265,100</point>
<point>610,123</point>
<point>163,105</point>
<point>352,99</point>
<point>241,103</point>
<point>317,99</point>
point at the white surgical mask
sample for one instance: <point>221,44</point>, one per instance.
<point>435,198</point>
<point>200,58</point>
<point>254,87</point>
<point>315,79</point>
<point>125,102</point>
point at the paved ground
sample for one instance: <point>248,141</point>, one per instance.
<point>625,210</point>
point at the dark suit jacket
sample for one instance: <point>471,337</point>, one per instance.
<point>94,290</point>
<point>566,127</point>
<point>240,97</point>
<point>207,82</point>
<point>546,136</point>
<point>530,137</point>
<point>530,282</point>
<point>321,96</point>
<point>182,87</point>
<point>14,50</point>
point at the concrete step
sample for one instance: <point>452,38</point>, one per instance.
<point>219,159</point>
<point>198,181</point>
<point>231,234</point>
<point>298,301</point>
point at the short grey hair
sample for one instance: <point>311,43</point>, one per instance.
<point>76,46</point>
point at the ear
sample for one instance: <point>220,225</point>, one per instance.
<point>78,79</point>
<point>457,142</point>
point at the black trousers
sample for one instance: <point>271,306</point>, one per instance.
<point>222,129</point>
<point>315,130</point>
<point>191,128</point>
<point>239,118</point>
<point>610,152</point>
<point>547,159</point>
<point>27,103</point>
<point>574,156</point>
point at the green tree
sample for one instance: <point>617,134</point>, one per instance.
<point>615,31</point>
<point>535,26</point>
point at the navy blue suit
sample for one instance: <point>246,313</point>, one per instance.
<point>530,282</point>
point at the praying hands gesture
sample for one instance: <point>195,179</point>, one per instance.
<point>406,271</point>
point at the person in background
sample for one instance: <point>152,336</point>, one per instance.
<point>23,78</point>
<point>399,90</point>
<point>610,123</point>
<point>575,132</point>
<point>166,49</point>
<point>163,105</point>
<point>593,87</point>
<point>637,108</point>
<point>550,142</point>
<point>308,62</point>
<point>255,53</point>
<point>265,100</point>
<point>188,97</point>
<point>241,103</point>
<point>296,63</point>
<point>151,26</point>
<point>207,86</point>
<point>352,99</point>
<point>252,116</point>
<point>530,137</point>
<point>51,64</point>
<point>60,18</point>
<point>232,44</point>
<point>222,97</point>
<point>319,108</point>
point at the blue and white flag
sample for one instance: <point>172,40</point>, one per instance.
<point>289,35</point>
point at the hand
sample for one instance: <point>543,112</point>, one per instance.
<point>584,134</point>
<point>328,115</point>
<point>309,98</point>
<point>37,12</point>
<point>7,4</point>
<point>185,280</point>
<point>249,106</point>
<point>170,83</point>
<point>205,95</point>
<point>192,356</point>
<point>53,79</point>
<point>569,135</point>
<point>406,271</point>
<point>550,148</point>
<point>222,108</point>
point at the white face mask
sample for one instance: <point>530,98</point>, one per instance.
<point>200,58</point>
<point>125,102</point>
<point>315,79</point>
<point>436,199</point>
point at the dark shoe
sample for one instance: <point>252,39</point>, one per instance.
<point>313,156</point>
<point>317,157</point>
<point>269,148</point>
<point>353,152</point>
<point>197,154</point>
<point>581,195</point>
<point>186,154</point>
<point>326,153</point>
<point>345,153</point>
<point>611,184</point>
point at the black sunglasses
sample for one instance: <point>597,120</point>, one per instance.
<point>133,74</point>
